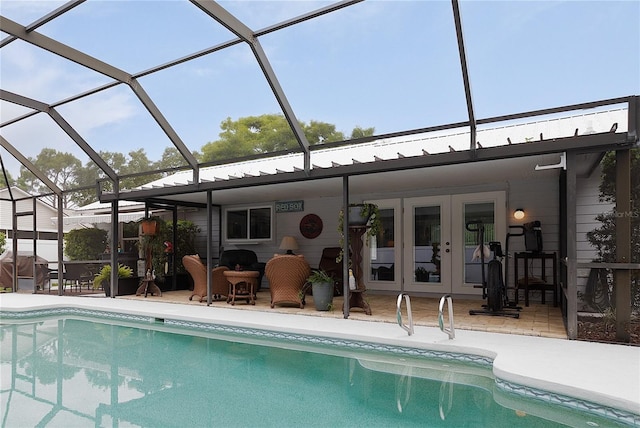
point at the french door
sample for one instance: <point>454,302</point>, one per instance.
<point>428,239</point>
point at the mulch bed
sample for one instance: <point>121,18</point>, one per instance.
<point>593,330</point>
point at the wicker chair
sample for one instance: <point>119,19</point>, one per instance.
<point>198,271</point>
<point>287,275</point>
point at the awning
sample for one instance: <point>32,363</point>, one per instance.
<point>99,218</point>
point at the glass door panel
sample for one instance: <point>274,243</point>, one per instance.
<point>487,208</point>
<point>427,244</point>
<point>384,260</point>
<point>483,215</point>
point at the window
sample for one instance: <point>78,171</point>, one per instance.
<point>248,224</point>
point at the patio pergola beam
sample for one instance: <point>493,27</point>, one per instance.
<point>30,166</point>
<point>580,144</point>
<point>146,100</point>
<point>48,17</point>
<point>67,52</point>
<point>465,75</point>
<point>234,25</point>
<point>62,123</point>
<point>99,66</point>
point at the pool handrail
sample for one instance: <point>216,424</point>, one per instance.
<point>449,330</point>
<point>408,328</point>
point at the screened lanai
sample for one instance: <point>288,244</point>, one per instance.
<point>148,95</point>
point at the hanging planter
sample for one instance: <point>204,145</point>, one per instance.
<point>148,227</point>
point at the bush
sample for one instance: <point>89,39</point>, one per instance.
<point>85,244</point>
<point>186,234</point>
<point>2,242</point>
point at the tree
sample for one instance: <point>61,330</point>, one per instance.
<point>2,242</point>
<point>90,172</point>
<point>603,238</point>
<point>3,182</point>
<point>61,168</point>
<point>171,158</point>
<point>266,134</point>
<point>359,132</point>
<point>137,162</point>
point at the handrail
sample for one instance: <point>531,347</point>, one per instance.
<point>450,330</point>
<point>408,328</point>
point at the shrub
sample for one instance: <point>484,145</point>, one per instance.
<point>85,244</point>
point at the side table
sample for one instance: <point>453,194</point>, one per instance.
<point>536,283</point>
<point>148,286</point>
<point>242,284</point>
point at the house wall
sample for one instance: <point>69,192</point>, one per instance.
<point>44,213</point>
<point>46,248</point>
<point>199,217</point>
<point>540,202</point>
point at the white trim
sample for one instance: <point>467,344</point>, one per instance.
<point>99,218</point>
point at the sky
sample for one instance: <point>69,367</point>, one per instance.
<point>390,65</point>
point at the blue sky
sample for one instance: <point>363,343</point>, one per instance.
<point>391,65</point>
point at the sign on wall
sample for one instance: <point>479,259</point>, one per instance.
<point>289,206</point>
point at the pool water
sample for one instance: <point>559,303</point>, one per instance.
<point>75,372</point>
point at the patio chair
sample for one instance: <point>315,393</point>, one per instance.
<point>334,269</point>
<point>287,275</point>
<point>198,271</point>
<point>76,275</point>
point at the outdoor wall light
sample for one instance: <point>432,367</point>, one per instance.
<point>289,243</point>
<point>518,214</point>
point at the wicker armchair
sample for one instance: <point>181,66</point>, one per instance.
<point>198,271</point>
<point>287,275</point>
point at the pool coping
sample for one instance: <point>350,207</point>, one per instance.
<point>605,374</point>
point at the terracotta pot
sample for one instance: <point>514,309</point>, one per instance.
<point>149,227</point>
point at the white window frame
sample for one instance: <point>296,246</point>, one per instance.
<point>247,208</point>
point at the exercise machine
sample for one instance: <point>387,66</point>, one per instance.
<point>493,286</point>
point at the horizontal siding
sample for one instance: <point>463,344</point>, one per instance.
<point>44,214</point>
<point>587,208</point>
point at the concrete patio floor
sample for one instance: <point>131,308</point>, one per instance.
<point>535,320</point>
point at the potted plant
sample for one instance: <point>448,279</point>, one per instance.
<point>360,215</point>
<point>149,225</point>
<point>322,289</point>
<point>104,277</point>
<point>422,274</point>
<point>151,242</point>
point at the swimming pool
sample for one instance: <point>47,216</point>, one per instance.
<point>80,368</point>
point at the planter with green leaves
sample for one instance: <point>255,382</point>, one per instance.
<point>322,289</point>
<point>103,278</point>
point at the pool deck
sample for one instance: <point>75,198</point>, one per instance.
<point>602,373</point>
